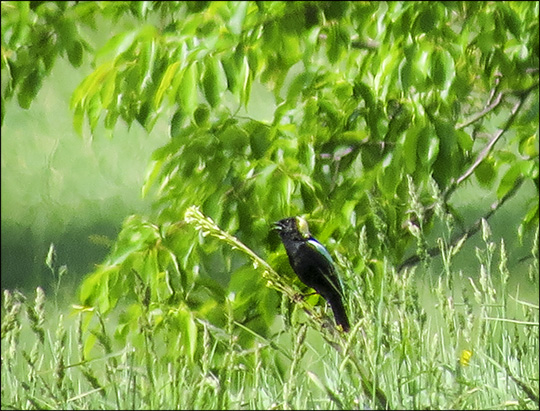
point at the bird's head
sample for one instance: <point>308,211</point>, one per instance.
<point>293,227</point>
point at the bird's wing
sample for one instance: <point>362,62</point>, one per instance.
<point>321,249</point>
<point>330,272</point>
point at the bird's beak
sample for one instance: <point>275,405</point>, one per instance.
<point>277,226</point>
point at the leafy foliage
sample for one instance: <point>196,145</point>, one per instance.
<point>381,113</point>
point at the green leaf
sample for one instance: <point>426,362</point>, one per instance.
<point>67,32</point>
<point>410,148</point>
<point>246,79</point>
<point>78,119</point>
<point>442,68</point>
<point>75,53</point>
<point>309,196</point>
<point>91,85</point>
<point>213,81</point>
<point>361,89</point>
<point>485,42</point>
<point>428,147</point>
<point>165,83</point>
<point>447,138</point>
<point>411,70</point>
<point>111,118</point>
<point>109,87</point>
<point>465,140</point>
<point>93,111</point>
<point>509,180</point>
<point>177,123</point>
<point>449,153</point>
<point>201,115</point>
<point>371,155</point>
<point>426,20</point>
<point>511,20</point>
<point>529,146</point>
<point>530,221</point>
<point>486,172</point>
<point>90,290</point>
<point>390,175</point>
<point>406,74</point>
<point>255,60</point>
<point>260,139</point>
<point>235,138</point>
<point>291,51</point>
<point>188,331</point>
<point>152,172</point>
<point>231,73</point>
<point>187,91</point>
<point>342,90</point>
<point>116,46</point>
<point>236,21</point>
<point>336,42</point>
<point>297,86</point>
<point>29,89</point>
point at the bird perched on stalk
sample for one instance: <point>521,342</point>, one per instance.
<point>313,264</point>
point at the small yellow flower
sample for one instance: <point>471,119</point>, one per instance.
<point>465,357</point>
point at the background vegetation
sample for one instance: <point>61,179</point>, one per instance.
<point>406,133</point>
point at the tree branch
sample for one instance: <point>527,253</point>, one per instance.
<point>485,111</point>
<point>483,154</point>
<point>464,235</point>
<point>522,94</point>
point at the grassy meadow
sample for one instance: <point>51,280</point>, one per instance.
<point>420,340</point>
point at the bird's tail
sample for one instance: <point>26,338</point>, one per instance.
<point>340,314</point>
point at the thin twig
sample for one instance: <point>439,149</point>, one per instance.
<point>434,251</point>
<point>481,114</point>
<point>483,154</point>
<point>522,94</point>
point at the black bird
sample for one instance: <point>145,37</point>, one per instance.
<point>313,264</point>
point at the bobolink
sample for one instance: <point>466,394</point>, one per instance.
<point>313,264</point>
